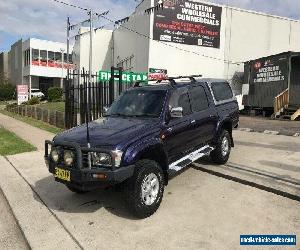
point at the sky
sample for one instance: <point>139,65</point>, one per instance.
<point>46,19</point>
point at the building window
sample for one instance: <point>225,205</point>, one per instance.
<point>27,57</point>
<point>51,59</point>
<point>126,64</point>
<point>65,58</point>
<point>35,57</point>
<point>57,58</point>
<point>43,57</point>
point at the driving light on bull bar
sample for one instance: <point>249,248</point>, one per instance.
<point>101,159</point>
<point>117,155</point>
<point>68,157</point>
<point>54,154</point>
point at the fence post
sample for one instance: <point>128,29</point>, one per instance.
<point>120,80</point>
<point>111,85</point>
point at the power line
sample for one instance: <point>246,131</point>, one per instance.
<point>148,37</point>
<point>71,5</point>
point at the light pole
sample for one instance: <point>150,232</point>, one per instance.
<point>62,68</point>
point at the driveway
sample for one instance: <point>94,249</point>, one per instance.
<point>204,207</point>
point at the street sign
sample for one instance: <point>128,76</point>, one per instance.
<point>22,91</point>
<point>157,74</point>
<point>126,76</point>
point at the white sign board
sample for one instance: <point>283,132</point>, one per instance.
<point>22,91</point>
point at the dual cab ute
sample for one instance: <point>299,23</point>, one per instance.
<point>147,133</point>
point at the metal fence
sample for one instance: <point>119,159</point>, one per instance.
<point>86,99</point>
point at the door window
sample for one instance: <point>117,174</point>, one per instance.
<point>198,99</point>
<point>180,98</point>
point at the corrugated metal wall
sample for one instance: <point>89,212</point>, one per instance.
<point>263,89</point>
<point>295,82</point>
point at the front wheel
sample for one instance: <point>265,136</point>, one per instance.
<point>145,188</point>
<point>220,154</point>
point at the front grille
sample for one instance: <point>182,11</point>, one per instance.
<point>85,160</point>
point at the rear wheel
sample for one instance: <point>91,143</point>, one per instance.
<point>145,188</point>
<point>222,151</point>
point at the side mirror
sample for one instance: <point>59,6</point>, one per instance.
<point>105,110</point>
<point>177,112</point>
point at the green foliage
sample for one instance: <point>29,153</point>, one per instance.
<point>11,144</point>
<point>34,100</point>
<point>33,122</point>
<point>7,92</point>
<point>55,94</point>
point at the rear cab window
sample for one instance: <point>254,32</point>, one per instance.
<point>221,91</point>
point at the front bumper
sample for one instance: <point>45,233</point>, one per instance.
<point>84,178</point>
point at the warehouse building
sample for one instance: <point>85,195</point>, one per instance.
<point>40,64</point>
<point>191,37</point>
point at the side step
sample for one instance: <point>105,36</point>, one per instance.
<point>190,158</point>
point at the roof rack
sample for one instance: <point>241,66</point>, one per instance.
<point>170,79</point>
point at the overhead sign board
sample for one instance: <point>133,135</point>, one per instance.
<point>22,91</point>
<point>188,22</point>
<point>126,76</point>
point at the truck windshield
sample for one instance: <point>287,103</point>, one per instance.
<point>138,103</point>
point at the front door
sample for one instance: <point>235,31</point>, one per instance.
<point>178,131</point>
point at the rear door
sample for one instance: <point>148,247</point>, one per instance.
<point>178,131</point>
<point>204,117</point>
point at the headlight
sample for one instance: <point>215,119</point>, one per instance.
<point>68,157</point>
<point>101,159</point>
<point>117,154</point>
<point>54,155</point>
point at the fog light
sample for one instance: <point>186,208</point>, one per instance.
<point>68,157</point>
<point>54,155</point>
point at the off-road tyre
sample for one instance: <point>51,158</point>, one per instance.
<point>218,155</point>
<point>144,169</point>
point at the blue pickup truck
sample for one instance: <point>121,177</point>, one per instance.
<point>147,133</point>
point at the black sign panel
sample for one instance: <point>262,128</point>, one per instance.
<point>270,70</point>
<point>188,22</point>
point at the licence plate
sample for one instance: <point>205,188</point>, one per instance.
<point>62,174</point>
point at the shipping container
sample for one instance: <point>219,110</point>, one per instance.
<point>274,82</point>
